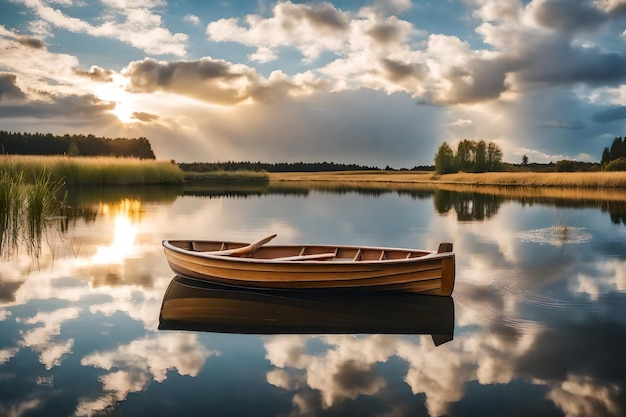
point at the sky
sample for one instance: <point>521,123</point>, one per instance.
<point>372,82</point>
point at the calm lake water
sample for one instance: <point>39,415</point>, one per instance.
<point>539,311</point>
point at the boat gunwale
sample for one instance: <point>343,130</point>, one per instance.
<point>428,255</point>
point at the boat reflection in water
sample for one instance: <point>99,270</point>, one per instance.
<point>199,306</point>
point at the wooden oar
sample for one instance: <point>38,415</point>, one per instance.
<point>313,257</point>
<point>243,251</point>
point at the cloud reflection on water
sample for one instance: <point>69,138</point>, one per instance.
<point>132,367</point>
<point>541,315</point>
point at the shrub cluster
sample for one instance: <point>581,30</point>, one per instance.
<point>471,156</point>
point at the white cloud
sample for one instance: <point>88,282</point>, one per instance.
<point>311,28</point>
<point>132,22</point>
<point>461,123</point>
<point>263,55</point>
<point>193,19</point>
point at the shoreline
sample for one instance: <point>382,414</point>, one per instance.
<point>580,180</point>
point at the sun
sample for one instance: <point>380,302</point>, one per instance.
<point>124,111</point>
<point>125,104</point>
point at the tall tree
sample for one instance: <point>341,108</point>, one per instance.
<point>606,156</point>
<point>444,159</point>
<point>481,157</point>
<point>466,155</point>
<point>617,149</point>
<point>494,156</point>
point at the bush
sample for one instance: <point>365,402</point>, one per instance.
<point>618,164</point>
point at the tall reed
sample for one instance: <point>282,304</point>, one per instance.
<point>11,199</point>
<point>25,208</point>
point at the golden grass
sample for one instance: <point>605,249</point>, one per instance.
<point>547,179</point>
<point>531,179</point>
<point>93,171</point>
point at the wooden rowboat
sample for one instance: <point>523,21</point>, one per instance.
<point>314,267</point>
<point>201,306</point>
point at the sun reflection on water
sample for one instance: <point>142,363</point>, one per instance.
<point>125,216</point>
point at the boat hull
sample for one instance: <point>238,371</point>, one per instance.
<point>407,270</point>
<point>200,306</point>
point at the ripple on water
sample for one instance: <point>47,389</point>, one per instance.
<point>487,302</point>
<point>540,300</point>
<point>555,235</point>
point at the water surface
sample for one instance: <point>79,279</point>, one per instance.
<point>539,310</point>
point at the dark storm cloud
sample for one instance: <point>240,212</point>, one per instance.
<point>568,16</point>
<point>610,115</point>
<point>9,88</point>
<point>95,73</point>
<point>87,107</point>
<point>32,42</point>
<point>556,62</point>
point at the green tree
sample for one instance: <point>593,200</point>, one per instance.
<point>618,149</point>
<point>618,164</point>
<point>524,160</point>
<point>466,155</point>
<point>481,157</point>
<point>444,159</point>
<point>494,157</point>
<point>606,156</point>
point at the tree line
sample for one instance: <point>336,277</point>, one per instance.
<point>74,145</point>
<point>272,167</point>
<point>470,156</point>
<point>614,157</point>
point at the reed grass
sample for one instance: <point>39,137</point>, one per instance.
<point>25,208</point>
<point>80,171</point>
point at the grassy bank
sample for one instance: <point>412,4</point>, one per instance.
<point>227,178</point>
<point>78,171</point>
<point>393,179</point>
<point>547,179</point>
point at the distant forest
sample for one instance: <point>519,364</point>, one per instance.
<point>74,145</point>
<point>283,167</point>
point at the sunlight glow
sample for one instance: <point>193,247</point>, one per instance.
<point>125,104</point>
<point>124,233</point>
<point>123,111</point>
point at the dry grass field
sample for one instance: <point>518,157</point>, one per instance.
<point>529,179</point>
<point>92,171</point>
